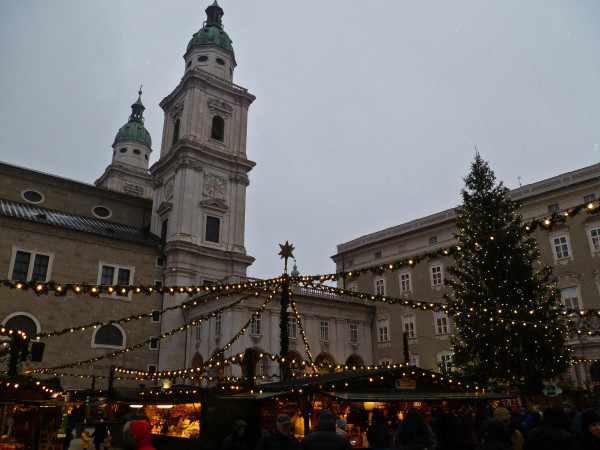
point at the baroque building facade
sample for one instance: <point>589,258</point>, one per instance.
<point>178,222</point>
<point>572,249</point>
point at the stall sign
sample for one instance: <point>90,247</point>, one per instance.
<point>405,383</point>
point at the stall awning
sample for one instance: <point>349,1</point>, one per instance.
<point>254,395</point>
<point>414,396</point>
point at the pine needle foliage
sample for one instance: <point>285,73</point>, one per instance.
<point>509,327</point>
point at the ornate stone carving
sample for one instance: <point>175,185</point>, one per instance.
<point>133,189</point>
<point>256,338</point>
<point>292,344</point>
<point>215,186</point>
<point>188,163</point>
<point>240,178</point>
<point>220,107</point>
<point>568,280</point>
<point>168,192</point>
<point>164,208</point>
<point>324,346</point>
<point>382,313</point>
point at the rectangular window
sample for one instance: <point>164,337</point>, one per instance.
<point>255,326</point>
<point>589,198</point>
<point>164,225</point>
<point>383,327</point>
<point>260,368</point>
<point>155,316</point>
<point>112,275</point>
<point>433,239</point>
<point>595,239</point>
<point>570,298</point>
<point>353,328</point>
<point>377,255</point>
<point>198,332</point>
<point>553,207</point>
<point>324,330</point>
<point>409,326</point>
<point>212,229</point>
<point>160,261</point>
<point>151,368</point>
<point>351,263</point>
<point>218,324</point>
<point>29,266</point>
<point>292,327</point>
<point>436,276</point>
<point>561,247</point>
<point>445,363</point>
<point>385,362</point>
<point>380,286</point>
<point>414,360</point>
<point>153,343</point>
<point>441,322</point>
<point>405,282</point>
<point>158,283</point>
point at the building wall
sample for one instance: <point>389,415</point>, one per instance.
<point>580,270</point>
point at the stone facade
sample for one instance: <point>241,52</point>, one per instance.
<point>577,273</point>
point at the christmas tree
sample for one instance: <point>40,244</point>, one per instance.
<point>505,307</point>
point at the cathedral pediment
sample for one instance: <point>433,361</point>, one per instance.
<point>214,204</point>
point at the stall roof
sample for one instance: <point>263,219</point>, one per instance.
<point>254,395</point>
<point>413,396</point>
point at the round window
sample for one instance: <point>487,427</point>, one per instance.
<point>102,212</point>
<point>189,64</point>
<point>33,196</point>
<point>203,58</point>
<point>220,61</point>
<point>123,150</point>
<point>136,151</point>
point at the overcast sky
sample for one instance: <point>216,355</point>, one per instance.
<point>367,112</point>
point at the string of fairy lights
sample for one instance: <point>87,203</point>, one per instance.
<point>309,282</point>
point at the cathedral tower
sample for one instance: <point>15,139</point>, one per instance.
<point>128,171</point>
<point>202,175</point>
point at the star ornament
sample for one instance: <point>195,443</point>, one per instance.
<point>286,250</point>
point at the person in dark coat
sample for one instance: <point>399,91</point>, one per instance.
<point>588,437</point>
<point>325,438</point>
<point>100,433</point>
<point>279,436</point>
<point>378,433</point>
<point>552,432</point>
<point>237,439</point>
<point>495,435</point>
<point>574,417</point>
<point>413,433</point>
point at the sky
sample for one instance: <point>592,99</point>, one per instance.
<point>367,112</point>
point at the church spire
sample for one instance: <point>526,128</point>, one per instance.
<point>137,109</point>
<point>214,13</point>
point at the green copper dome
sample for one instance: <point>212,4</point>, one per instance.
<point>134,129</point>
<point>212,32</point>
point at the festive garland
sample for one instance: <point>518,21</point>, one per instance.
<point>142,344</point>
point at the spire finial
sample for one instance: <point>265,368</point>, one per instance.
<point>140,91</point>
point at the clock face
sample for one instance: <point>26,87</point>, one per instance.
<point>214,187</point>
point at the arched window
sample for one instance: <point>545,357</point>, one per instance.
<point>176,131</point>
<point>354,361</point>
<point>218,128</point>
<point>23,323</point>
<point>109,335</point>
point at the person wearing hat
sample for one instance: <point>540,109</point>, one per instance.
<point>574,417</point>
<point>279,436</point>
<point>516,437</point>
<point>325,438</point>
<point>588,437</point>
<point>237,439</point>
<point>495,435</point>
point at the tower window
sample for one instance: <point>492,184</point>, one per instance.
<point>123,150</point>
<point>189,64</point>
<point>163,230</point>
<point>218,128</point>
<point>136,151</point>
<point>212,228</point>
<point>202,58</point>
<point>33,196</point>
<point>220,61</point>
<point>176,131</point>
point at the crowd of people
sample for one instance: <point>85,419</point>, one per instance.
<point>501,428</point>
